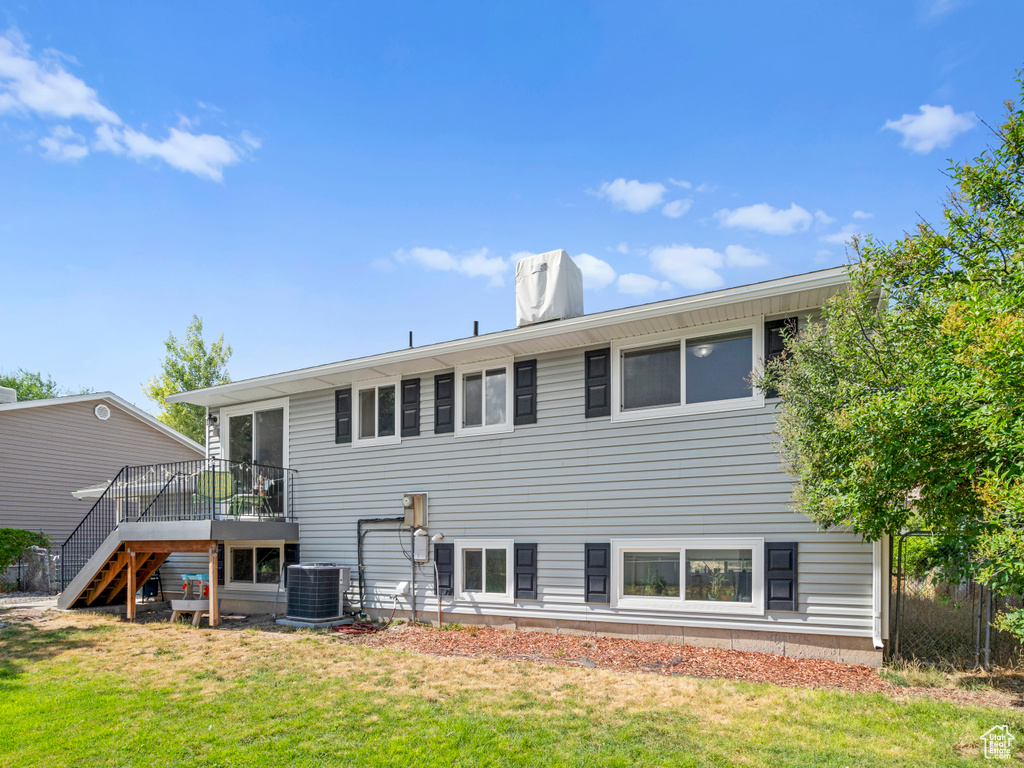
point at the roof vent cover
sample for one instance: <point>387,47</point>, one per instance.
<point>102,412</point>
<point>549,286</point>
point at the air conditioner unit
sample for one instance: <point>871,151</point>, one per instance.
<point>316,591</point>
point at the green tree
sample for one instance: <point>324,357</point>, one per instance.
<point>189,364</point>
<point>905,409</point>
<point>34,386</point>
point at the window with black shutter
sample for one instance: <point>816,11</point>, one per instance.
<point>597,573</point>
<point>597,372</point>
<point>444,403</point>
<point>444,559</point>
<point>780,576</point>
<point>526,571</point>
<point>343,416</point>
<point>525,394</point>
<point>220,564</point>
<point>410,407</point>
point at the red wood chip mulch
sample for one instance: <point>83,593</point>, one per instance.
<point>633,655</point>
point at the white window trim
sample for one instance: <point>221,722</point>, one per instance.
<point>251,408</point>
<point>486,597</point>
<point>376,384</point>
<point>680,604</point>
<point>230,583</point>
<point>488,429</point>
<point>756,400</point>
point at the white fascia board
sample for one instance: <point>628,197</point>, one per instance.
<point>421,358</point>
<point>112,399</point>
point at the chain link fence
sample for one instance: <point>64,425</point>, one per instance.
<point>936,622</point>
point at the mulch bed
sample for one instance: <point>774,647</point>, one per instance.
<point>632,655</point>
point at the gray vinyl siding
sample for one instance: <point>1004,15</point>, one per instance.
<point>46,452</point>
<point>564,481</point>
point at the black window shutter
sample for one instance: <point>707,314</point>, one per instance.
<point>444,558</point>
<point>343,416</point>
<point>780,560</point>
<point>410,408</point>
<point>526,571</point>
<point>291,557</point>
<point>444,402</point>
<point>775,333</point>
<point>598,373</point>
<point>597,572</point>
<point>525,392</point>
<point>220,564</point>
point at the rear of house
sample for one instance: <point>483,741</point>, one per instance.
<point>610,473</point>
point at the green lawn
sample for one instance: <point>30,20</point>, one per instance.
<point>88,691</point>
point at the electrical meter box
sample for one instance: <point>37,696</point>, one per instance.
<point>415,505</point>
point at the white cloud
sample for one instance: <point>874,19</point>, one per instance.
<point>596,273</point>
<point>690,267</point>
<point>634,196</point>
<point>933,127</point>
<point>822,219</point>
<point>842,236</point>
<point>42,87</point>
<point>679,183</point>
<point>677,208</point>
<point>63,144</point>
<point>764,218</point>
<point>862,215</point>
<point>623,247</point>
<point>740,256</point>
<point>699,269</point>
<point>472,264</point>
<point>636,285</point>
<point>203,154</point>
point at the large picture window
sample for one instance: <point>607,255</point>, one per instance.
<point>483,398</point>
<point>375,406</point>
<point>484,570</point>
<point>699,575</point>
<point>681,373</point>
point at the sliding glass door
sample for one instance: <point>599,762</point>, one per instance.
<point>256,441</point>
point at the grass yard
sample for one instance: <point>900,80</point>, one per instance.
<point>89,690</point>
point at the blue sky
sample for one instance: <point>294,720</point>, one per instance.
<point>316,183</point>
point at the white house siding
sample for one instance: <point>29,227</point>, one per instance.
<point>564,481</point>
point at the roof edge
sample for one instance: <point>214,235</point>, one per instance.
<point>803,281</point>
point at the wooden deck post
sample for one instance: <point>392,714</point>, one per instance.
<point>214,604</point>
<point>132,587</point>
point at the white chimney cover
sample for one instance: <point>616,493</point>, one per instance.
<point>8,395</point>
<point>549,286</point>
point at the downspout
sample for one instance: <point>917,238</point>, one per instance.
<point>359,552</point>
<point>876,594</point>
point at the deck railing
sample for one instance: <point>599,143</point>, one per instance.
<point>202,489</point>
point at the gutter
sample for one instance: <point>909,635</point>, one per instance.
<point>877,560</point>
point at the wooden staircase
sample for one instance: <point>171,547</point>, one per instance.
<point>109,584</point>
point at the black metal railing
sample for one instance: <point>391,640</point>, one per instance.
<point>202,489</point>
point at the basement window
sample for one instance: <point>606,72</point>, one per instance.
<point>484,570</point>
<point>255,564</point>
<point>689,575</point>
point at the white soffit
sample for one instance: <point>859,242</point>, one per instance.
<point>787,295</point>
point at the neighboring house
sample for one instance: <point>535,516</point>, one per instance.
<point>611,473</point>
<point>51,448</point>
